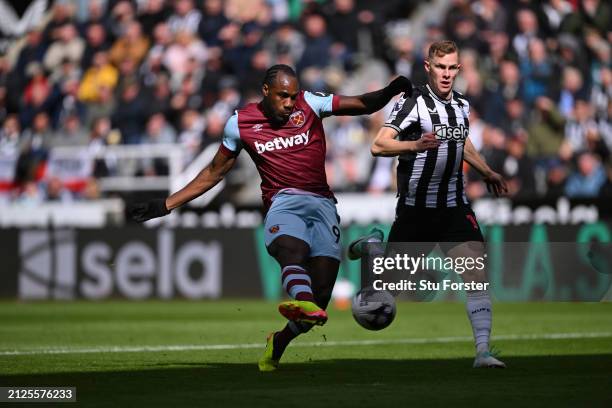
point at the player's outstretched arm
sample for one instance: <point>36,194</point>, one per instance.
<point>372,101</point>
<point>494,181</point>
<point>204,181</point>
<point>386,145</point>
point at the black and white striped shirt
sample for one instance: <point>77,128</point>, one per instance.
<point>433,178</point>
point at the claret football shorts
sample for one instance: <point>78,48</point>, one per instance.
<point>313,219</point>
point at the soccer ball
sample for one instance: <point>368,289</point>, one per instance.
<point>373,309</point>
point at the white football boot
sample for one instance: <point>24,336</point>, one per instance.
<point>487,359</point>
<point>355,249</point>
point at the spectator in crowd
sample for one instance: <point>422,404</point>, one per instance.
<point>68,46</point>
<point>153,13</point>
<point>318,43</point>
<point>492,17</point>
<point>587,179</point>
<point>130,114</point>
<point>581,123</point>
<point>590,13</point>
<point>122,15</point>
<point>545,131</point>
<point>345,28</point>
<point>97,15</point>
<point>186,17</point>
<point>91,191</point>
<point>33,50</point>
<point>212,21</point>
<point>537,72</point>
<point>31,194</point>
<point>186,52</point>
<point>528,30</point>
<point>287,45</point>
<point>10,137</point>
<point>348,155</point>
<point>132,45</point>
<point>571,54</point>
<point>104,107</point>
<point>70,134</point>
<point>556,177</point>
<point>34,150</point>
<point>96,42</point>
<point>404,56</point>
<point>518,168</point>
<point>55,191</point>
<point>191,135</point>
<point>215,123</point>
<point>571,89</point>
<point>36,96</point>
<point>505,87</point>
<point>158,131</point>
<point>102,74</point>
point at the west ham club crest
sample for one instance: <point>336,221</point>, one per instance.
<point>297,119</point>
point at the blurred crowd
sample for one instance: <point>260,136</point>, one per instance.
<point>107,72</point>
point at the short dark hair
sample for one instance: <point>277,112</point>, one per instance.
<point>274,70</point>
<point>442,48</point>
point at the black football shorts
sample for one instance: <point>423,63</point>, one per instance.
<point>437,225</point>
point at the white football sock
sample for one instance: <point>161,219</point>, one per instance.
<point>480,312</point>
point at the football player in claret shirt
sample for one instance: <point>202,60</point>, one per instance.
<point>284,136</point>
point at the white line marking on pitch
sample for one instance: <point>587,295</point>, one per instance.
<point>206,347</point>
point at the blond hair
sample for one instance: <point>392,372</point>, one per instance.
<point>442,48</point>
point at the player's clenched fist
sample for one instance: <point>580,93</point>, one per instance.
<point>141,212</point>
<point>426,142</point>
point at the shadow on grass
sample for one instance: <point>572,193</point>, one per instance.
<point>580,380</point>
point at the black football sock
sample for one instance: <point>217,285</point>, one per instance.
<point>283,338</point>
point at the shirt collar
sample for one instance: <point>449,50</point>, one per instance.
<point>433,94</point>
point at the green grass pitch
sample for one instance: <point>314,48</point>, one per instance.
<point>176,354</point>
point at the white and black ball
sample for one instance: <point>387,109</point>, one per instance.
<point>373,309</point>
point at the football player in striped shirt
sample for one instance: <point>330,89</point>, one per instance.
<point>429,132</point>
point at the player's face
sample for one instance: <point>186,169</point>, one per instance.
<point>280,97</point>
<point>442,72</point>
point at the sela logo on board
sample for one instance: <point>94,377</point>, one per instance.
<point>279,143</point>
<point>68,264</point>
<point>297,119</point>
<point>456,133</point>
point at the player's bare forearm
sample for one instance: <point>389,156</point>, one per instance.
<point>475,160</point>
<point>391,147</point>
<point>372,101</point>
<point>209,177</point>
<point>385,144</point>
<point>494,181</point>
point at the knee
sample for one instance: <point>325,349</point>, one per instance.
<point>289,251</point>
<point>475,275</point>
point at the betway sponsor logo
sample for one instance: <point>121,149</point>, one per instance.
<point>445,132</point>
<point>282,142</point>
